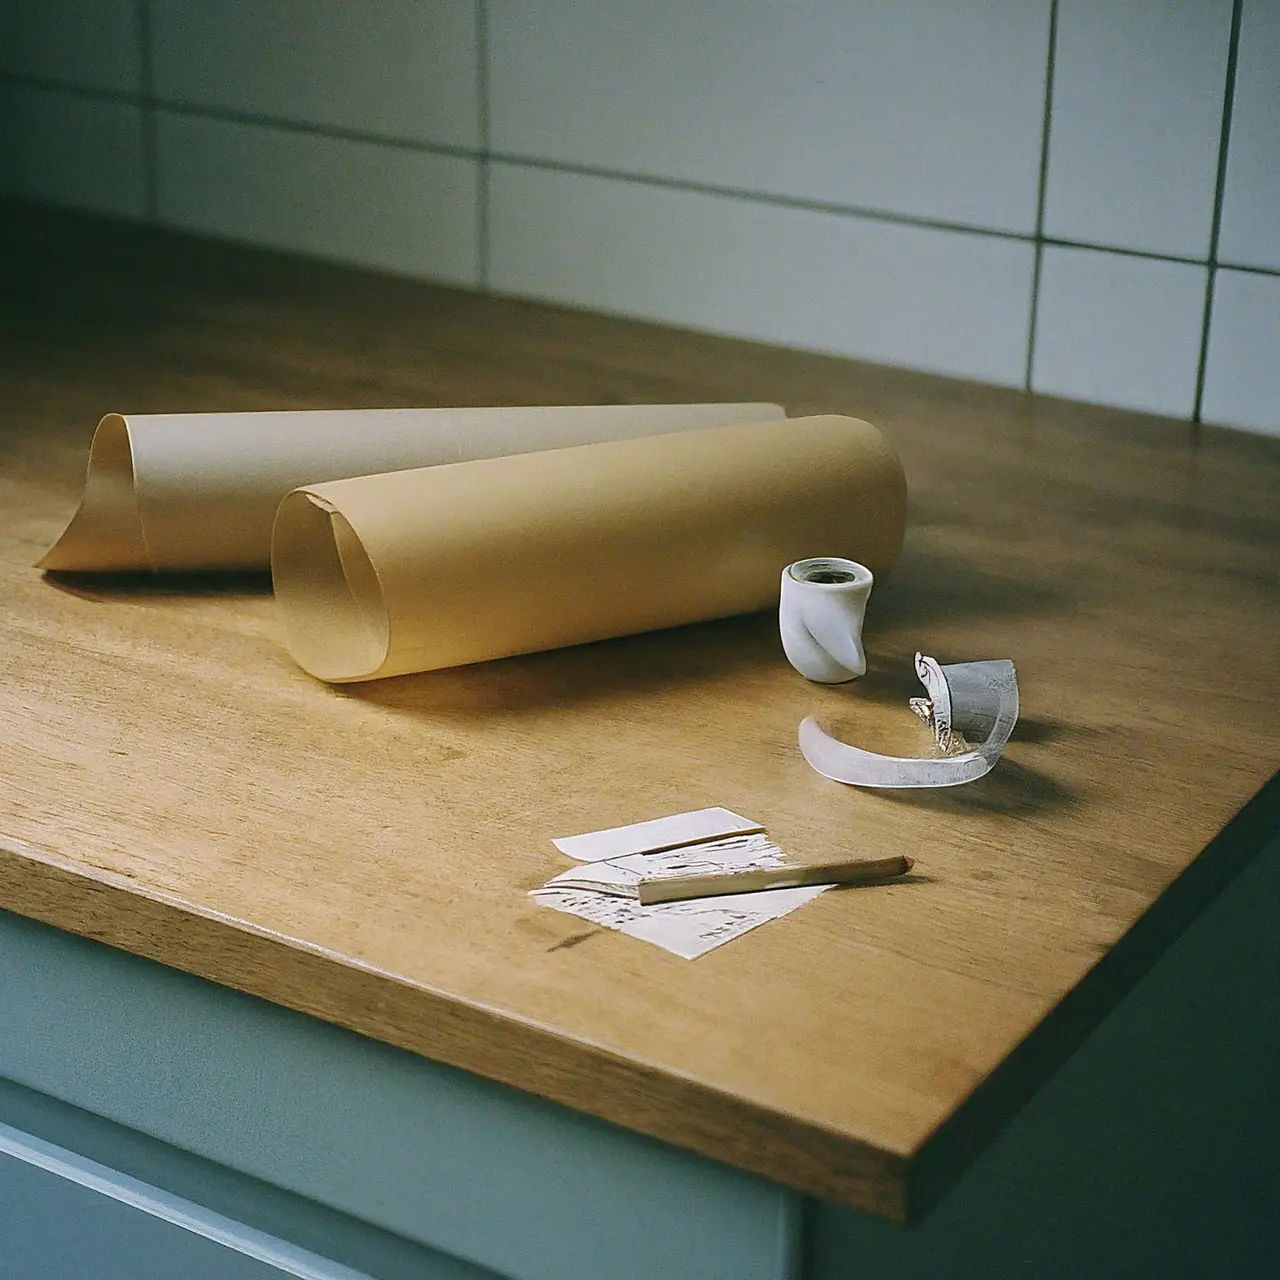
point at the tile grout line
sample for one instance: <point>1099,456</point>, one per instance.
<point>178,107</point>
<point>147,111</point>
<point>1215,227</point>
<point>487,156</point>
<point>1033,317</point>
<point>482,160</point>
<point>334,132</point>
<point>1121,251</point>
<point>801,204</point>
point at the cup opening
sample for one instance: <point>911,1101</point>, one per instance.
<point>830,571</point>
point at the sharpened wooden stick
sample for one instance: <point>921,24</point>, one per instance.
<point>844,871</point>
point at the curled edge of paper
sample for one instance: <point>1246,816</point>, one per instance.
<point>334,610</point>
<point>972,698</point>
<point>108,519</point>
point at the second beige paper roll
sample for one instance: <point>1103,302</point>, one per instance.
<point>199,490</point>
<point>417,570</point>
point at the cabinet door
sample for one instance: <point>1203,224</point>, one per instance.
<point>66,1218</point>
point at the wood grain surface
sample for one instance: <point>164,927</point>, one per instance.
<point>171,784</point>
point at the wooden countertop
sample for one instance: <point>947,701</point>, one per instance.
<point>175,786</point>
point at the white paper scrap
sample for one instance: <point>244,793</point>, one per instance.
<point>689,928</point>
<point>976,700</point>
<point>659,833</point>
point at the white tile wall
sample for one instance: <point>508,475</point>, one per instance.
<point>71,150</point>
<point>401,68</point>
<point>1242,377</point>
<point>941,300</point>
<point>802,174</point>
<point>920,107</point>
<point>394,208</point>
<point>95,43</point>
<point>1137,120</point>
<point>1119,330</point>
<point>1250,232</point>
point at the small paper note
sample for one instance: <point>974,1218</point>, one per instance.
<point>671,832</point>
<point>594,891</point>
<point>688,929</point>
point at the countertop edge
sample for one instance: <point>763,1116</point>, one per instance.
<point>949,1151</point>
<point>523,1055</point>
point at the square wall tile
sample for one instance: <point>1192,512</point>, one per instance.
<point>920,108</point>
<point>1138,95</point>
<point>64,148</point>
<point>1242,376</point>
<point>95,44</point>
<point>952,302</point>
<point>374,205</point>
<point>1119,330</point>
<point>400,68</point>
<point>1250,232</point>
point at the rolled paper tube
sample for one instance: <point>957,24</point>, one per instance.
<point>382,575</point>
<point>820,613</point>
<point>200,490</point>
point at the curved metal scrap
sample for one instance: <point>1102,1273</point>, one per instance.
<point>978,700</point>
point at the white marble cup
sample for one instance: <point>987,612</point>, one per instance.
<point>820,617</point>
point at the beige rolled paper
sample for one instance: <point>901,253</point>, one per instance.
<point>383,575</point>
<point>200,490</point>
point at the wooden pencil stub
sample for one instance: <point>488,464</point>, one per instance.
<point>841,871</point>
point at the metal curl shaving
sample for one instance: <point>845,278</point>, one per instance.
<point>977,700</point>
